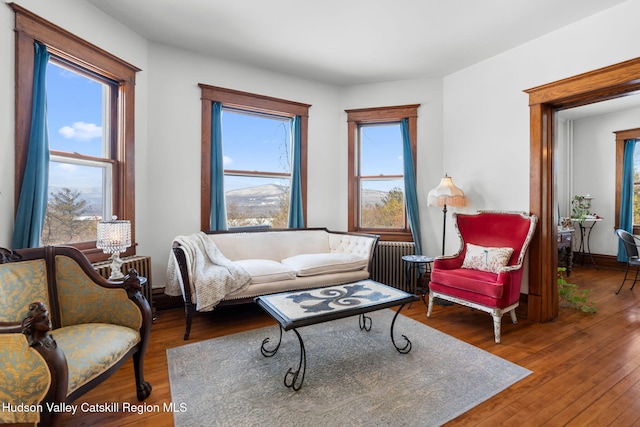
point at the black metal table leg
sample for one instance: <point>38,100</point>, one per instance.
<point>407,347</point>
<point>365,322</point>
<point>294,379</point>
<point>265,351</point>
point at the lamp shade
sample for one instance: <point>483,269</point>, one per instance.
<point>114,236</point>
<point>446,194</point>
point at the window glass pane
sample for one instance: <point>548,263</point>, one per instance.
<point>256,201</point>
<point>382,203</point>
<point>381,150</point>
<point>76,203</point>
<point>76,108</point>
<point>254,142</point>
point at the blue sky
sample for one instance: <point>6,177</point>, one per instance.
<point>74,114</point>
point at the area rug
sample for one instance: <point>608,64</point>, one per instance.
<point>353,377</point>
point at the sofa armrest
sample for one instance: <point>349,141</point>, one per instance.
<point>363,245</point>
<point>86,297</point>
<point>36,369</point>
<point>24,379</point>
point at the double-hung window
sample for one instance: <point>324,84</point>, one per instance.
<point>257,156</point>
<point>80,140</point>
<point>376,173</point>
<point>90,120</point>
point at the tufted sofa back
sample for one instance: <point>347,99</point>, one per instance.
<point>277,245</point>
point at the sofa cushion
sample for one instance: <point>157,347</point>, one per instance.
<point>469,280</point>
<point>93,348</point>
<point>265,270</point>
<point>323,263</point>
<point>486,258</point>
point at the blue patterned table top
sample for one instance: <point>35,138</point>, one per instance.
<point>311,306</point>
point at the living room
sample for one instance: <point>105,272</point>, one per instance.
<point>477,112</point>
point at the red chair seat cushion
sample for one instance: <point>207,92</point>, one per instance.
<point>468,280</point>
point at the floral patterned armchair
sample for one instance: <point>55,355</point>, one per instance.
<point>63,330</point>
<point>486,273</point>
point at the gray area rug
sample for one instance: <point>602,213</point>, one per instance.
<point>353,378</point>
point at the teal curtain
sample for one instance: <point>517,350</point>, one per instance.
<point>218,219</point>
<point>410,193</point>
<point>32,204</point>
<point>626,204</point>
<point>296,216</point>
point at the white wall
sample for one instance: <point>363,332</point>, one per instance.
<point>486,113</point>
<point>594,168</point>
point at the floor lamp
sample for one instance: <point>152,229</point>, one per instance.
<point>446,194</point>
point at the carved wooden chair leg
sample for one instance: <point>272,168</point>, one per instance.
<point>143,388</point>
<point>497,324</point>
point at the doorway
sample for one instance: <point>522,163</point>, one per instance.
<point>599,85</point>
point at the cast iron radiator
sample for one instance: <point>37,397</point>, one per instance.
<point>388,267</point>
<point>142,264</point>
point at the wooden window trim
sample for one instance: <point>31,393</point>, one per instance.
<point>245,101</point>
<point>621,136</point>
<point>375,115</point>
<point>63,44</point>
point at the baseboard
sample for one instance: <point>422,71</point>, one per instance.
<point>162,301</point>
<point>598,260</point>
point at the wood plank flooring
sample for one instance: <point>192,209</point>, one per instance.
<point>586,367</point>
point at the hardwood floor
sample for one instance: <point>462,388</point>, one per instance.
<point>586,367</point>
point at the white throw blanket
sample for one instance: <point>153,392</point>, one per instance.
<point>212,275</point>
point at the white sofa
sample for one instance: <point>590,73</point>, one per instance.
<point>278,261</point>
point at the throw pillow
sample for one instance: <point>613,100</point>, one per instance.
<point>486,259</point>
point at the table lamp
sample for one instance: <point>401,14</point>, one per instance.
<point>114,237</point>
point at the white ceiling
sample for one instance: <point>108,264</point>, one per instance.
<point>348,42</point>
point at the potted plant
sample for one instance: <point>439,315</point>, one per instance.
<point>570,295</point>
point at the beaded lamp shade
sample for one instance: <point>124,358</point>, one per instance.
<point>114,237</point>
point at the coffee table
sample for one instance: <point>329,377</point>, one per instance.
<point>293,310</point>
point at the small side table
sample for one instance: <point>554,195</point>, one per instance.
<point>414,262</point>
<point>586,226</point>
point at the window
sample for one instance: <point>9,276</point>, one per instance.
<point>256,135</point>
<point>621,137</point>
<point>81,167</point>
<point>257,153</point>
<point>90,104</point>
<point>376,180</point>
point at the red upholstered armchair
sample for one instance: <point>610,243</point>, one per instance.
<point>486,273</point>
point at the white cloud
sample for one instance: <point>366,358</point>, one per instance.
<point>81,131</point>
<point>66,167</point>
<point>226,160</point>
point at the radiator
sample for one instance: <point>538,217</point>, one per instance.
<point>388,267</point>
<point>142,264</point>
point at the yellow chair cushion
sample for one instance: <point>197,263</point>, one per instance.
<point>24,380</point>
<point>93,348</point>
<point>21,283</point>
